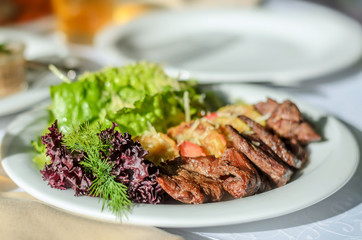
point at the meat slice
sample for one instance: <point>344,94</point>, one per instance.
<point>297,149</point>
<point>181,188</point>
<point>273,142</point>
<point>305,133</point>
<point>286,120</point>
<point>240,184</point>
<point>266,107</point>
<point>278,172</point>
<point>266,183</point>
<point>238,176</point>
<point>190,187</point>
<point>212,189</point>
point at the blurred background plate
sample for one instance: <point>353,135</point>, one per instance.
<point>281,43</point>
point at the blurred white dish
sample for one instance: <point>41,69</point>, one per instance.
<point>323,176</point>
<point>281,43</point>
<point>35,47</point>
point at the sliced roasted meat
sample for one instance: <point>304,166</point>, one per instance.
<point>286,120</point>
<point>236,173</point>
<point>181,189</point>
<point>212,189</point>
<point>266,107</point>
<point>305,133</point>
<point>239,183</point>
<point>297,149</point>
<point>266,183</point>
<point>273,142</point>
<point>191,187</point>
<point>279,172</point>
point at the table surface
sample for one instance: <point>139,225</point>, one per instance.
<point>338,216</point>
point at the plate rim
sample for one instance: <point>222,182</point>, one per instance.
<point>158,221</point>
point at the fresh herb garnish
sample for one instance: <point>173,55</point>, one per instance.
<point>101,162</point>
<point>86,138</point>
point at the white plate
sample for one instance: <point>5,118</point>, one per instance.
<point>322,177</point>
<point>285,42</point>
<point>36,47</point>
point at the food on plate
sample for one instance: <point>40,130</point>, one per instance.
<point>149,138</point>
<point>133,96</point>
<point>133,99</point>
<point>101,162</point>
<point>273,142</point>
<point>260,155</point>
<point>160,147</point>
<point>232,171</point>
<point>287,121</point>
<point>235,147</point>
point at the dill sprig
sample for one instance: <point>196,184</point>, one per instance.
<point>86,138</point>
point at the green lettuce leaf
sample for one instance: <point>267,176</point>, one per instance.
<point>40,159</point>
<point>131,96</point>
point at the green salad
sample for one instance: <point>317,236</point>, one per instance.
<point>134,96</point>
<point>89,143</point>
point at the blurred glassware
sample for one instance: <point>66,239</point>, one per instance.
<point>12,69</point>
<point>80,20</point>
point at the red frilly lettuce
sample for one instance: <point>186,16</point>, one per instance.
<point>126,157</point>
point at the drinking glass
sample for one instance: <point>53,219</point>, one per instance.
<point>12,68</point>
<point>80,20</point>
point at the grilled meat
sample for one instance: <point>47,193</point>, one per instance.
<point>216,158</point>
<point>181,188</point>
<point>232,170</point>
<point>297,149</point>
<point>243,182</point>
<point>190,187</point>
<point>305,133</point>
<point>273,142</point>
<point>286,120</point>
<point>236,173</point>
<point>212,189</point>
<point>266,183</point>
<point>266,107</point>
<point>278,172</point>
